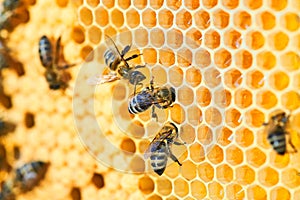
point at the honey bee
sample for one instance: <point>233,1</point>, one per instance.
<point>277,133</point>
<point>55,75</point>
<point>160,97</point>
<point>6,11</point>
<point>116,62</point>
<point>159,149</point>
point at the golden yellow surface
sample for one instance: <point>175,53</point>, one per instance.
<point>233,65</point>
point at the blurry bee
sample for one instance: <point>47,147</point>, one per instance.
<point>160,97</point>
<point>277,131</point>
<point>159,149</point>
<point>7,191</point>
<point>116,62</point>
<point>55,74</point>
<point>6,127</point>
<point>6,11</point>
<point>8,5</point>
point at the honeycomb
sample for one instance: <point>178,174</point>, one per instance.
<point>232,63</point>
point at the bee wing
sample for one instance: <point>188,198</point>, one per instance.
<point>125,50</point>
<point>159,138</point>
<point>112,46</point>
<point>100,79</point>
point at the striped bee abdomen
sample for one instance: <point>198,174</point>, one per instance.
<point>140,102</point>
<point>45,51</point>
<point>159,159</point>
<point>278,141</point>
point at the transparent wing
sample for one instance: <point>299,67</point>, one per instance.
<point>159,138</point>
<point>101,79</point>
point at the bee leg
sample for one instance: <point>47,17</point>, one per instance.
<point>139,66</point>
<point>179,143</point>
<point>154,115</point>
<point>173,157</point>
<point>292,145</point>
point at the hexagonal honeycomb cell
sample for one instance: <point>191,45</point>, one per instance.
<point>231,63</point>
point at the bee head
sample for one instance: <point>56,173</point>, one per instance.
<point>173,93</point>
<point>54,86</point>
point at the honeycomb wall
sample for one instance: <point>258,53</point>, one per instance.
<point>232,63</point>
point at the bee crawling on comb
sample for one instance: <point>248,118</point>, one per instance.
<point>277,131</point>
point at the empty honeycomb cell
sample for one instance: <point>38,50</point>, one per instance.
<point>196,152</point>
<point>202,58</point>
<point>140,4</point>
<point>224,136</point>
<point>255,118</point>
<point>75,193</point>
<point>187,133</point>
<point>268,176</point>
<point>108,3</point>
<point>222,98</point>
<point>137,165</point>
<point>290,179</point>
<point>290,100</point>
<point>150,56</point>
<point>154,197</point>
<point>253,4</point>
<point>222,58</point>
<point>255,40</point>
<point>117,18</point>
<point>213,116</point>
<point>166,57</point>
<point>212,39</point>
<point>86,16</point>
<point>175,76</point>
<point>203,96</point>
<point>185,95</point>
<point>206,172</point>
<point>243,98</point>
<point>198,189</point>
<point>233,78</point>
<point>164,186</point>
<point>173,4</point>
<point>266,20</point>
<point>244,137</point>
<point>266,99</point>
<point>101,16</point>
<point>124,4</point>
<point>146,185</point>
<point>174,38</point>
<point>255,79</point>
<point>78,34</point>
<point>177,113</point>
<point>290,21</point>
<point>279,161</point>
<point>181,187</point>
<point>235,191</point>
<point>245,175</point>
<point>230,4</point>
<point>194,115</point>
<point>243,59</point>
<point>193,77</point>
<point>266,60</point>
<point>212,77</point>
<point>184,57</point>
<point>183,19</point>
<point>87,53</point>
<point>29,120</point>
<point>98,180</point>
<point>202,19</point>
<point>204,135</point>
<point>93,3</point>
<point>220,19</point>
<point>242,20</point>
<point>234,155</point>
<point>278,5</point>
<point>232,39</point>
<point>255,157</point>
<point>224,173</point>
<point>94,34</point>
<point>215,154</point>
<point>165,18</point>
<point>192,4</point>
<point>278,41</point>
<point>193,38</point>
<point>143,146</point>
<point>215,190</point>
<point>132,18</point>
<point>188,170</point>
<point>149,18</point>
<point>128,145</point>
<point>279,80</point>
<point>141,37</point>
<point>233,117</point>
<point>256,192</point>
<point>123,112</point>
<point>290,60</point>
<point>280,193</point>
<point>110,31</point>
<point>136,129</point>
